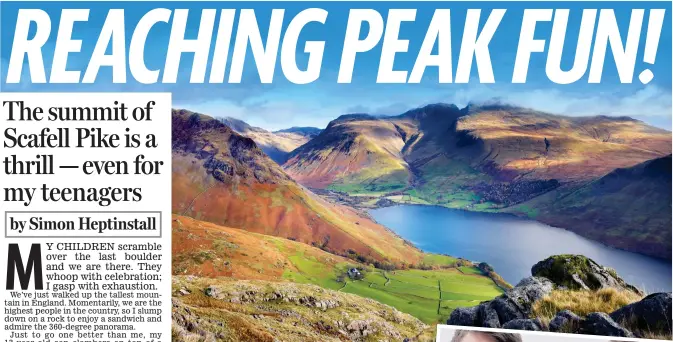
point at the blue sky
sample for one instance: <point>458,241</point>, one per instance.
<point>283,104</point>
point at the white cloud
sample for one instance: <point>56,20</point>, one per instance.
<point>268,115</point>
<point>645,103</point>
<point>651,103</point>
<point>279,109</point>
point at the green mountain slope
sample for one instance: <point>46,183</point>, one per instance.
<point>628,208</point>
<point>353,152</point>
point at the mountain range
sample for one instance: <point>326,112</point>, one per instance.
<point>267,248</point>
<point>222,177</point>
<point>277,145</point>
<point>495,143</point>
<point>238,217</point>
<point>497,158</point>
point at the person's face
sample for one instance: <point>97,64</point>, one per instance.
<point>477,337</point>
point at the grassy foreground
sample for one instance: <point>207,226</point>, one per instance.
<point>583,302</point>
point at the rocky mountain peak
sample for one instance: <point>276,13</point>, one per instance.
<point>577,272</point>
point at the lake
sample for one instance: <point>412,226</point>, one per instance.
<point>513,245</point>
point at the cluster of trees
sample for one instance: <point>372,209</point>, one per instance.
<point>486,268</point>
<point>490,271</point>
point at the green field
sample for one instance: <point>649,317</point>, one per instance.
<point>470,270</point>
<point>439,260</point>
<point>428,295</point>
<point>312,271</point>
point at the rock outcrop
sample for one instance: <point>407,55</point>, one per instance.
<point>650,316</point>
<point>264,311</point>
<point>565,321</point>
<point>577,272</point>
<point>599,323</point>
<point>524,324</point>
<point>250,293</point>
<point>515,304</point>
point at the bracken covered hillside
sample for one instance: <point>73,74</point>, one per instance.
<point>222,177</point>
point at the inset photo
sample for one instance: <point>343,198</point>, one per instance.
<point>448,333</point>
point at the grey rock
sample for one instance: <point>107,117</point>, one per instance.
<point>528,291</point>
<point>651,314</point>
<point>326,304</point>
<point>191,326</point>
<point>487,316</point>
<point>507,309</point>
<point>599,323</point>
<point>359,328</point>
<point>212,291</point>
<point>524,324</point>
<point>565,321</point>
<point>463,316</point>
<point>516,303</point>
<point>578,272</point>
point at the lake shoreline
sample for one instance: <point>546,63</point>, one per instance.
<point>509,226</point>
<point>515,215</point>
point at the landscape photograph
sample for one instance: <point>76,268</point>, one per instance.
<point>378,227</point>
<point>368,171</point>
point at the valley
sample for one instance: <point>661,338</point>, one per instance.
<point>277,145</point>
<point>268,226</point>
<point>206,250</point>
<point>222,177</point>
<point>494,158</point>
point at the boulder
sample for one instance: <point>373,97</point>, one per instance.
<point>507,309</point>
<point>514,308</point>
<point>651,314</point>
<point>599,323</point>
<point>463,316</point>
<point>212,291</point>
<point>359,329</point>
<point>524,324</point>
<point>516,303</point>
<point>487,316</point>
<point>577,272</point>
<point>528,291</point>
<point>565,321</point>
